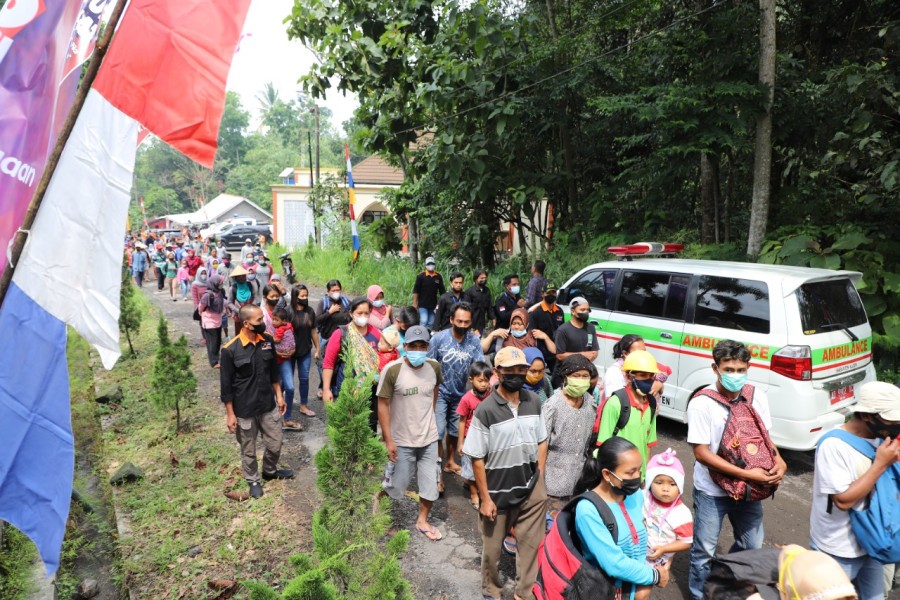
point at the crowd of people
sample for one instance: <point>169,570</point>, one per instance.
<point>504,393</point>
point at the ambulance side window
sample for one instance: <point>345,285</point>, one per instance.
<point>741,304</point>
<point>595,286</point>
<point>653,294</point>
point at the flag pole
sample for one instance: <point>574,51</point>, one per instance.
<point>20,236</point>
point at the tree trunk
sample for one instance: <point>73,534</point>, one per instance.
<point>177,418</point>
<point>413,233</point>
<point>726,203</point>
<point>128,337</point>
<point>565,137</point>
<point>762,160</point>
<point>709,183</point>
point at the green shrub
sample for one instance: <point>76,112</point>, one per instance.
<point>173,380</point>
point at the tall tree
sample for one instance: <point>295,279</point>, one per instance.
<point>762,157</point>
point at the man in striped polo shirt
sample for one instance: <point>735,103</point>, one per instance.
<point>507,442</point>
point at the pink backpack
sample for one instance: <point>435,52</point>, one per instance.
<point>745,443</point>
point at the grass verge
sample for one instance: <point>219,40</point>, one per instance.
<point>17,554</point>
<point>184,532</point>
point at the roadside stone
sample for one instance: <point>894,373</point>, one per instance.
<point>110,394</point>
<point>195,551</point>
<point>88,588</point>
<point>127,472</point>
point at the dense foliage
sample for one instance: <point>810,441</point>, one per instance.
<point>247,162</point>
<point>602,117</point>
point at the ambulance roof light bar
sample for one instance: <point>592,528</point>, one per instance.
<point>645,249</point>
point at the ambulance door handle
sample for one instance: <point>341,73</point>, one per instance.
<point>667,336</point>
<point>596,324</point>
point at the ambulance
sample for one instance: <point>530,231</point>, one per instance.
<point>806,329</point>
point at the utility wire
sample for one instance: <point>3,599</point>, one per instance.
<point>569,69</point>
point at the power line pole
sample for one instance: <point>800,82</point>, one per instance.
<point>315,109</point>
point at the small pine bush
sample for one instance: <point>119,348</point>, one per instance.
<point>129,310</point>
<point>349,558</point>
<point>173,380</point>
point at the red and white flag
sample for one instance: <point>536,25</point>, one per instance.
<point>166,70</point>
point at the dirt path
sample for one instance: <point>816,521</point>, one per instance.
<point>450,568</point>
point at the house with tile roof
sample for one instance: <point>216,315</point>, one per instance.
<point>294,224</point>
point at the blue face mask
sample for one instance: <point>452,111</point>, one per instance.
<point>416,357</point>
<point>251,277</point>
<point>733,383</point>
<point>514,290</point>
<point>644,385</point>
<point>378,303</point>
<point>519,333</point>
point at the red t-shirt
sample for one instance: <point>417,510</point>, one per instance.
<point>465,409</point>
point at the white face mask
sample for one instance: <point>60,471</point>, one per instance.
<point>335,296</point>
<point>361,321</point>
<point>429,267</point>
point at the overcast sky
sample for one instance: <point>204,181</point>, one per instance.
<point>267,55</point>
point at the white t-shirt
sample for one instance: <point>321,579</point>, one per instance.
<point>613,380</point>
<point>837,466</point>
<point>706,424</point>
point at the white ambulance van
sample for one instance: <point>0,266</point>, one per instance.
<point>806,330</point>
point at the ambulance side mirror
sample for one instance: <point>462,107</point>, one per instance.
<point>562,296</point>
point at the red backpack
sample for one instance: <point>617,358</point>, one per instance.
<point>745,443</point>
<point>562,571</point>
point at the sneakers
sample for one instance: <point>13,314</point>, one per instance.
<point>279,474</point>
<point>256,490</point>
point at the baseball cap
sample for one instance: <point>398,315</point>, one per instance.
<point>550,287</point>
<point>429,260</point>
<point>881,398</point>
<point>391,337</point>
<point>417,333</point>
<point>577,301</point>
<point>509,357</point>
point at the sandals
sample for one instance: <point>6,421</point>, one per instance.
<point>476,504</point>
<point>456,470</point>
<point>509,545</point>
<point>431,533</point>
<point>291,426</point>
<point>304,410</point>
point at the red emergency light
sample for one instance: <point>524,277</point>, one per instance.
<point>645,249</point>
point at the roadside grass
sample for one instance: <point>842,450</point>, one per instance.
<point>179,507</point>
<point>88,534</point>
<point>17,554</point>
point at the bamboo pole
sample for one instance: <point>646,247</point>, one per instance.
<point>20,237</point>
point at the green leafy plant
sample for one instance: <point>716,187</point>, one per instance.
<point>16,555</point>
<point>129,308</point>
<point>349,560</point>
<point>173,380</point>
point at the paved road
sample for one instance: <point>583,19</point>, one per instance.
<point>450,568</point>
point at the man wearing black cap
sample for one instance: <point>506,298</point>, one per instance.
<point>428,288</point>
<point>546,316</point>
<point>407,394</point>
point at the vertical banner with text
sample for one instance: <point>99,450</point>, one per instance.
<point>43,45</point>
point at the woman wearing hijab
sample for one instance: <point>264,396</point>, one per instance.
<point>243,291</point>
<point>211,307</point>
<point>380,317</point>
<point>198,287</point>
<point>536,379</point>
<point>518,335</point>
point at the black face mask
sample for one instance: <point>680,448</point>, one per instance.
<point>460,331</point>
<point>550,300</point>
<point>629,486</point>
<point>880,429</point>
<point>513,382</point>
<point>580,317</point>
<point>481,283</point>
<point>271,301</point>
<point>303,301</point>
<point>259,329</point>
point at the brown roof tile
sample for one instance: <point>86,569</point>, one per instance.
<point>375,171</point>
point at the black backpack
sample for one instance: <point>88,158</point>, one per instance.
<point>738,575</point>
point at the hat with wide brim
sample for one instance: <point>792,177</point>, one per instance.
<point>239,271</point>
<point>880,398</point>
